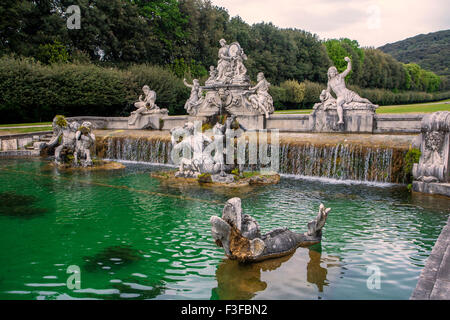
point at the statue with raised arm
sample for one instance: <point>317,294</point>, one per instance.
<point>261,99</point>
<point>195,99</point>
<point>85,140</point>
<point>336,82</point>
<point>240,236</point>
<point>144,105</point>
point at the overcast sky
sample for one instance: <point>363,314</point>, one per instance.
<point>371,22</point>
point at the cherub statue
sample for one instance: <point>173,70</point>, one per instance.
<point>336,82</point>
<point>85,140</point>
<point>262,100</point>
<point>63,136</point>
<point>238,64</point>
<point>212,76</point>
<point>144,105</point>
<point>195,98</point>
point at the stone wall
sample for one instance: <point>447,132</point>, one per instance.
<point>385,123</point>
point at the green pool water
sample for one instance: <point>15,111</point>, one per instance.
<point>134,238</point>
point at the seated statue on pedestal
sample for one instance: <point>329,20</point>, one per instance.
<point>346,98</point>
<point>144,105</point>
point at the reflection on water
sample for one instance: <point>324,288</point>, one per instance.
<point>242,281</point>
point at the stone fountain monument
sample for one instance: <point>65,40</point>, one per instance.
<point>228,91</point>
<point>240,235</point>
<point>432,173</point>
<point>348,112</point>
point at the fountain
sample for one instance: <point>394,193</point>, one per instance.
<point>228,91</point>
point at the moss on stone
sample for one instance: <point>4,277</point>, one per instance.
<point>411,157</point>
<point>61,121</point>
<point>204,178</point>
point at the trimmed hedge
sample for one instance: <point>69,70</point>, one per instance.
<point>34,92</point>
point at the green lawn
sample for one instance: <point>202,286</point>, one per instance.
<point>25,124</point>
<point>404,108</point>
<point>25,130</point>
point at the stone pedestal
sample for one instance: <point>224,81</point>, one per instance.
<point>357,121</point>
<point>252,122</point>
<point>149,121</point>
<point>432,188</point>
<point>432,173</point>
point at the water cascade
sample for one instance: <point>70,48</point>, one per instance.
<point>338,161</point>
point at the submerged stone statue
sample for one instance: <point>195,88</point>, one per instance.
<point>241,238</point>
<point>228,89</point>
<point>432,173</point>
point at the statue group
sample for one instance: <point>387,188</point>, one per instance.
<point>204,153</point>
<point>228,89</point>
<point>71,138</point>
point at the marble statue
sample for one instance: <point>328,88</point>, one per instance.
<point>85,140</point>
<point>198,161</point>
<point>345,97</point>
<point>228,89</point>
<point>212,76</point>
<point>434,162</point>
<point>144,105</point>
<point>195,98</point>
<point>262,100</point>
<point>327,101</point>
<point>224,63</point>
<point>64,138</point>
<point>240,236</point>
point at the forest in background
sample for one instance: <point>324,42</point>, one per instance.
<point>431,51</point>
<point>99,69</point>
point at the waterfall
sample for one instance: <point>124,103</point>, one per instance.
<point>141,149</point>
<point>339,161</point>
<point>343,162</point>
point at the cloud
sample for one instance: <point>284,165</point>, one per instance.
<point>371,22</point>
